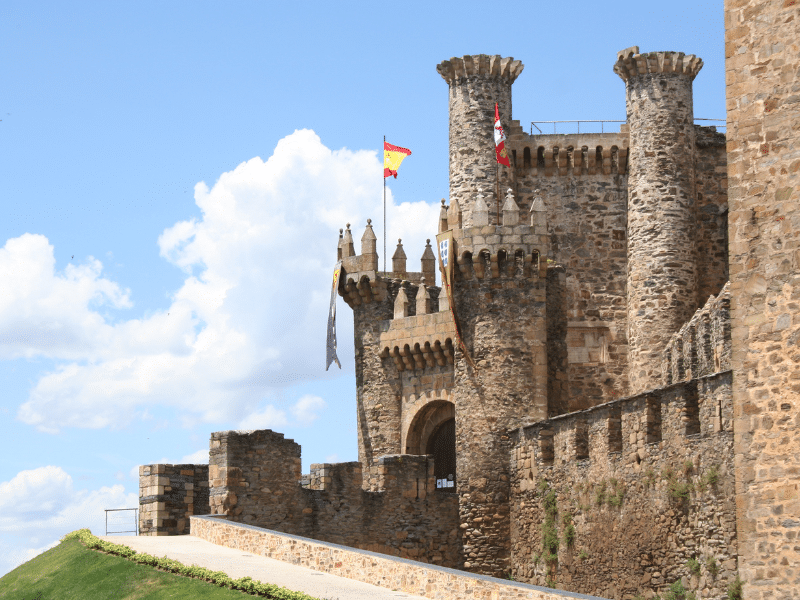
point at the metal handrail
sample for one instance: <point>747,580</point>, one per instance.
<point>135,516</point>
<point>533,123</point>
<point>601,121</point>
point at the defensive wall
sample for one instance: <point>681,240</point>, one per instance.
<point>403,575</point>
<point>255,479</point>
<point>617,499</point>
<point>169,495</point>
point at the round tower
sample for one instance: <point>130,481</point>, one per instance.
<point>662,266</point>
<point>500,372</point>
<point>476,82</point>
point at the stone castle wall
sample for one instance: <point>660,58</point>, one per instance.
<point>711,214</point>
<point>762,52</point>
<point>169,495</point>
<point>256,480</point>
<point>582,181</point>
<point>644,484</point>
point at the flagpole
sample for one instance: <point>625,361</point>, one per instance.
<point>384,208</point>
<point>497,192</point>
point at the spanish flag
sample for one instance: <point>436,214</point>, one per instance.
<point>500,139</point>
<point>392,157</point>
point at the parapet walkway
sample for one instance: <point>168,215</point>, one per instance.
<point>191,550</point>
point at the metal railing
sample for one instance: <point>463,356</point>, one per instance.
<point>601,121</point>
<point>135,520</point>
<point>534,124</point>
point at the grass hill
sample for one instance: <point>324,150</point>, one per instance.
<point>73,571</point>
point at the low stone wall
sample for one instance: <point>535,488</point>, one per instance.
<point>168,495</point>
<point>390,573</point>
<point>623,498</point>
<point>255,479</point>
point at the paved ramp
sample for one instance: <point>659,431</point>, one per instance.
<point>190,550</point>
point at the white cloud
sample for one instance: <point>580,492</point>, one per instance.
<point>249,318</point>
<point>42,505</point>
<point>306,409</point>
<point>268,418</point>
<point>45,313</point>
<point>195,458</point>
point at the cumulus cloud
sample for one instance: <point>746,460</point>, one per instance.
<point>307,409</point>
<point>249,318</point>
<point>45,313</point>
<point>39,506</point>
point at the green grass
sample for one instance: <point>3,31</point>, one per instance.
<point>71,570</point>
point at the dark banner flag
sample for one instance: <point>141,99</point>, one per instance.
<point>447,257</point>
<point>331,354</point>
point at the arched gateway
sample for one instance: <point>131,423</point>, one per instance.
<point>433,431</point>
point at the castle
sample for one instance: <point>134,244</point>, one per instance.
<point>614,415</point>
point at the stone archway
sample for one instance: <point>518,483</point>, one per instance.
<point>432,431</point>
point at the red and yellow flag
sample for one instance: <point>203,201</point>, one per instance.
<point>500,139</point>
<point>392,157</point>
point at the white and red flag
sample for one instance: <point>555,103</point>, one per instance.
<point>500,139</point>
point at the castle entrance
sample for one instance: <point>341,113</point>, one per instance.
<point>433,432</point>
<point>442,445</point>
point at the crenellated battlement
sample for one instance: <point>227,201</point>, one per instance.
<point>627,429</point>
<point>502,252</point>
<point>703,345</point>
<point>391,506</point>
<point>630,63</point>
<point>480,65</point>
<point>552,155</point>
<point>362,282</point>
<point>419,342</point>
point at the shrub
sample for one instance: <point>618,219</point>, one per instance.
<point>650,477</point>
<point>245,584</point>
<point>678,592</point>
<point>569,535</point>
<point>693,565</point>
<point>600,494</point>
<point>583,555</point>
<point>710,478</point>
<point>712,566</point>
<point>735,589</point>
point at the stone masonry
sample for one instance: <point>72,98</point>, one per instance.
<point>631,417</point>
<point>762,51</point>
<point>169,495</point>
<point>662,265</point>
<point>256,480</point>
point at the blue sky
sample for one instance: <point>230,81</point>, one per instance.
<point>172,180</point>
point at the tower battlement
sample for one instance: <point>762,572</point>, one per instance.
<point>479,65</point>
<point>630,63</point>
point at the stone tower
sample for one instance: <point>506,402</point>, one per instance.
<point>662,264</point>
<point>476,83</point>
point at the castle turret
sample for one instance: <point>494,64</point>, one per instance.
<point>499,293</point>
<point>476,83</point>
<point>662,266</point>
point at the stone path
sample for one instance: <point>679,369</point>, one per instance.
<point>236,563</point>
